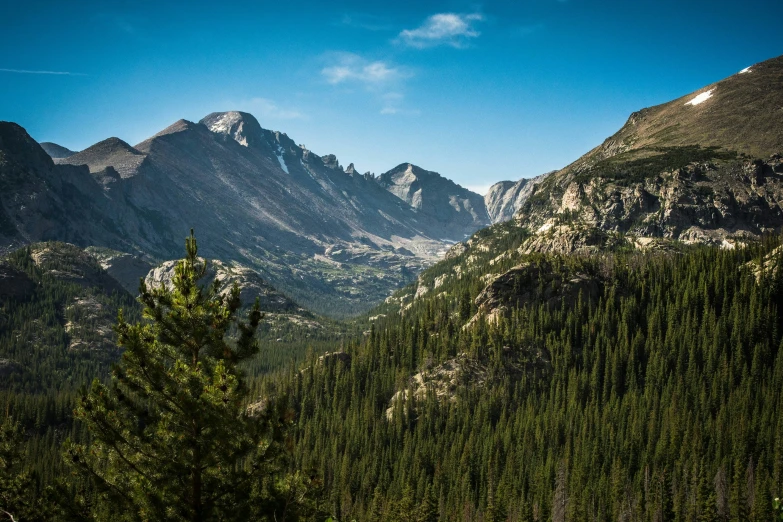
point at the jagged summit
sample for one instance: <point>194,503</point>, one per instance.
<point>433,195</point>
<point>330,161</point>
<point>406,181</point>
<point>178,126</point>
<point>254,197</point>
<point>56,151</point>
<point>111,152</point>
<point>240,126</point>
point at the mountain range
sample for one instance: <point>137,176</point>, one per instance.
<point>329,236</point>
<point>703,168</point>
<point>605,349</point>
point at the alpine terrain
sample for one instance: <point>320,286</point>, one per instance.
<point>330,236</point>
<point>601,342</point>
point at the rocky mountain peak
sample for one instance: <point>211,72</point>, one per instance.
<point>242,127</point>
<point>111,152</point>
<point>17,146</point>
<point>740,113</point>
<point>431,194</point>
<point>330,160</point>
<point>56,151</point>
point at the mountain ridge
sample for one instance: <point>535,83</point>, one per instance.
<point>705,167</point>
<point>56,151</point>
<point>253,196</point>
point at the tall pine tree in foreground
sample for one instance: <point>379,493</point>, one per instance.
<point>171,436</point>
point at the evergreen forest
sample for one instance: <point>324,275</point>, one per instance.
<point>649,391</point>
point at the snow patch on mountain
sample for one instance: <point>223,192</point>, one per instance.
<point>701,98</point>
<point>281,159</point>
<point>746,70</point>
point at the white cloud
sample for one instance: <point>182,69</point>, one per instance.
<point>384,80</point>
<point>443,29</point>
<point>350,67</point>
<point>264,108</point>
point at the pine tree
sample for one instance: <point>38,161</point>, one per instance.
<point>171,437</point>
<point>16,502</point>
<point>376,506</point>
<point>428,509</point>
<point>465,306</point>
<point>404,508</point>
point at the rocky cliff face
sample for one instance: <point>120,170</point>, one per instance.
<point>251,285</point>
<point>126,269</point>
<point>454,208</point>
<point>42,201</point>
<point>276,306</point>
<point>535,283</point>
<point>505,198</point>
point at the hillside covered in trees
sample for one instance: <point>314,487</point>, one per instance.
<point>654,397</point>
<point>613,352</point>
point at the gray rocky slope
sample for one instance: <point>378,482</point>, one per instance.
<point>436,198</point>
<point>333,239</point>
<point>505,198</point>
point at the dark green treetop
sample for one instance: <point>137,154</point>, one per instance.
<point>172,438</point>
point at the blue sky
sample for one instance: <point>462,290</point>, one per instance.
<point>479,92</point>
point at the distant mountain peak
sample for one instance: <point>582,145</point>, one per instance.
<point>430,193</point>
<point>178,126</point>
<point>330,160</point>
<point>112,144</point>
<point>242,127</point>
<point>17,144</point>
<point>111,152</point>
<point>56,151</point>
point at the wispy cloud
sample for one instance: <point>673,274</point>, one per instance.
<point>396,111</point>
<point>382,79</point>
<point>29,71</point>
<point>452,29</point>
<point>394,103</point>
<point>265,108</point>
<point>353,68</point>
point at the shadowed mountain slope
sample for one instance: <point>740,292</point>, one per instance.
<point>56,151</point>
